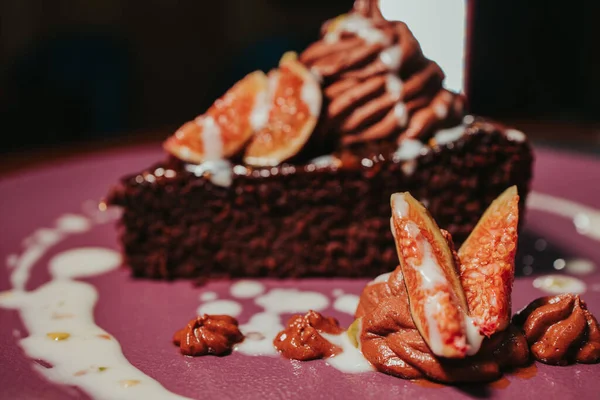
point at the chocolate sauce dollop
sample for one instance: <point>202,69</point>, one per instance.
<point>377,82</point>
<point>391,342</point>
<point>560,330</point>
<point>208,334</point>
<point>302,340</point>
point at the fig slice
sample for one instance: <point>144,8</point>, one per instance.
<point>487,267</point>
<point>436,299</point>
<point>296,99</point>
<point>226,126</point>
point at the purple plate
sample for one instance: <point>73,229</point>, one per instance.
<point>561,237</point>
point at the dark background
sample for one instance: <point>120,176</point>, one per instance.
<point>105,69</point>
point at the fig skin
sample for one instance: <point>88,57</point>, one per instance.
<point>227,124</point>
<point>296,99</point>
<point>437,302</point>
<point>487,263</point>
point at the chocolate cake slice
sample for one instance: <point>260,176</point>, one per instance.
<point>289,174</point>
<point>326,218</point>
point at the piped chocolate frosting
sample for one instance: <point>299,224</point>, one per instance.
<point>208,334</point>
<point>560,330</point>
<point>302,340</point>
<point>377,82</point>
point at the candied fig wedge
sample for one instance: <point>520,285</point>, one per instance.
<point>295,106</point>
<point>487,267</point>
<point>437,301</point>
<point>227,125</point>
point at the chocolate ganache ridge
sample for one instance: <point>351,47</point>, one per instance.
<point>302,340</point>
<point>208,335</point>
<point>560,330</point>
<point>377,82</point>
<point>391,342</point>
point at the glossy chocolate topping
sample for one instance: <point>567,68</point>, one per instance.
<point>391,342</point>
<point>302,340</point>
<point>560,330</point>
<point>208,334</point>
<point>377,82</point>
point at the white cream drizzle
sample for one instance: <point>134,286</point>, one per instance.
<point>220,171</point>
<point>83,262</point>
<point>360,26</point>
<point>391,58</point>
<point>259,332</point>
<point>211,138</point>
<point>515,135</point>
<point>315,73</point>
<point>262,108</point>
<point>220,307</point>
<point>474,336</point>
<point>409,167</point>
<point>215,166</point>
<point>246,289</point>
<point>400,205</point>
<point>346,303</point>
<point>62,332</point>
<point>558,284</point>
<point>261,161</point>
<point>325,162</point>
<point>429,269</point>
<point>449,135</point>
<point>580,266</point>
<point>409,149</point>
<point>381,278</point>
<point>59,316</point>
<point>311,95</point>
<point>264,103</point>
<point>432,309</point>
<point>431,276</point>
<point>586,219</point>
<point>208,296</point>
<point>100,213</point>
<point>40,242</point>
<point>393,85</point>
<point>401,114</point>
<point>279,301</point>
<point>351,360</point>
<point>440,110</point>
<point>73,223</point>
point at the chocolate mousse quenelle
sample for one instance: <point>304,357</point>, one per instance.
<point>445,315</point>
